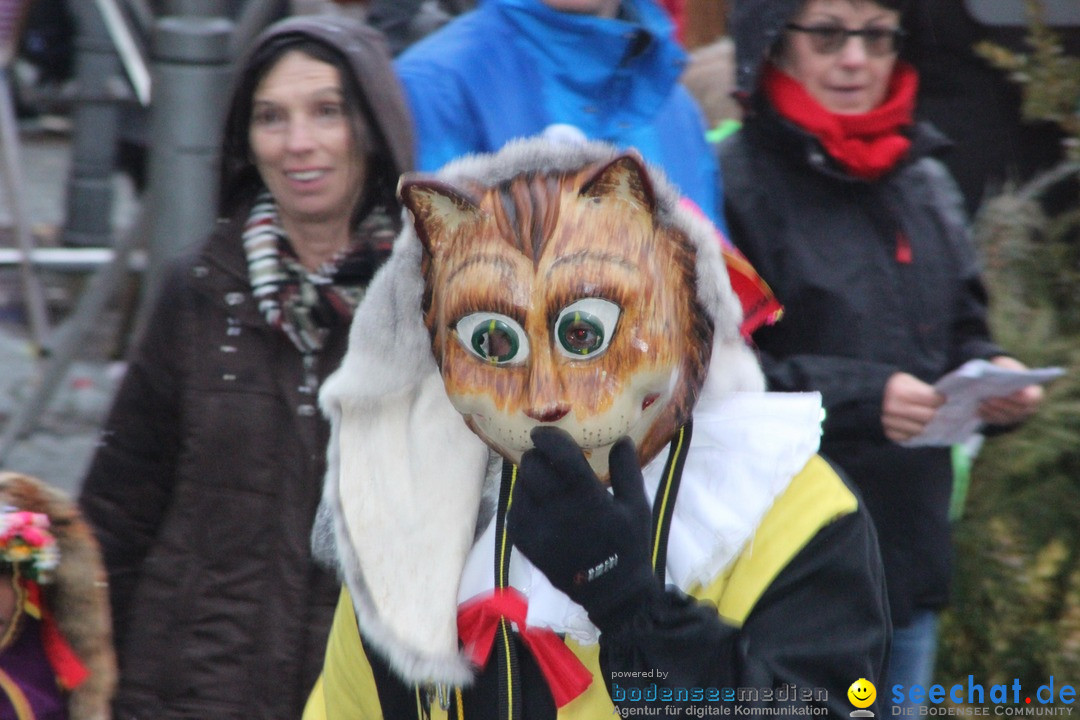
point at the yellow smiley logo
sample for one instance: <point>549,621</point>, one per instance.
<point>862,693</point>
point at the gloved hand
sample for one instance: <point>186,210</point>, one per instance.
<point>591,545</point>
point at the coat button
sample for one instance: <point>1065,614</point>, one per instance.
<point>234,298</point>
<point>306,410</point>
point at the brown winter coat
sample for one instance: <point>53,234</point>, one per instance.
<point>204,489</point>
<point>203,494</point>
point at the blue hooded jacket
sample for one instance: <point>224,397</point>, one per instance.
<point>512,68</point>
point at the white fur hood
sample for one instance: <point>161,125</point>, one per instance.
<point>406,478</point>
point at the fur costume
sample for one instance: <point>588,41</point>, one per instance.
<point>77,595</point>
<point>405,490</point>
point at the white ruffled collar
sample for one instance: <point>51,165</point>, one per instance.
<point>744,451</point>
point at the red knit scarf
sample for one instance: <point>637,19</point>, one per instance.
<point>866,145</point>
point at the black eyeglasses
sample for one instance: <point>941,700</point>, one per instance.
<point>830,39</point>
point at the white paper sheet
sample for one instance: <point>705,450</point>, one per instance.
<point>967,386</point>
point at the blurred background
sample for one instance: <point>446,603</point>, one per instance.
<point>109,115</point>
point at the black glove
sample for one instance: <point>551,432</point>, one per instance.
<point>591,545</point>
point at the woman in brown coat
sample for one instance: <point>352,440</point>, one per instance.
<point>204,488</point>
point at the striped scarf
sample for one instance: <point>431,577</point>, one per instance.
<point>305,304</point>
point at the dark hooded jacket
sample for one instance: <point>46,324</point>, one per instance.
<point>756,26</point>
<point>876,277</point>
<point>210,466</point>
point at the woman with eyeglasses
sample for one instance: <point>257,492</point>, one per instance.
<point>835,195</point>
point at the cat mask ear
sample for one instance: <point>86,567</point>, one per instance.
<point>438,210</point>
<point>624,178</point>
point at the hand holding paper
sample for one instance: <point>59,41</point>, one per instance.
<point>1015,407</point>
<point>909,404</point>
<point>972,386</point>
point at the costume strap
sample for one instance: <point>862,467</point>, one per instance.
<point>10,688</point>
<point>509,691</point>
<point>484,626</point>
<point>664,502</point>
<point>20,608</point>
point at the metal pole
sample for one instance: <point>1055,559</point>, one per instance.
<point>11,169</point>
<point>100,87</point>
<point>191,77</point>
<point>72,336</point>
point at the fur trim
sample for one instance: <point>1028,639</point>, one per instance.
<point>403,465</point>
<point>78,594</point>
<point>406,478</point>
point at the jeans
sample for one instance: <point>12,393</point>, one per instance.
<point>911,660</point>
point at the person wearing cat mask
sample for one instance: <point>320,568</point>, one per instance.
<point>555,324</point>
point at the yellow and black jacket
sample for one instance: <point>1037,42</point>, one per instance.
<point>798,616</point>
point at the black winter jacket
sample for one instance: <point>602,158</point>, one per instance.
<point>875,278</point>
<point>203,493</point>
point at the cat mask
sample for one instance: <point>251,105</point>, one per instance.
<point>543,284</point>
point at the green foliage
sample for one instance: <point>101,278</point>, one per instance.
<point>1049,77</point>
<point>1016,608</point>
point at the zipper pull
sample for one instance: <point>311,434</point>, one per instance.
<point>903,248</point>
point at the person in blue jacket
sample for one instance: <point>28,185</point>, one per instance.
<point>515,68</point>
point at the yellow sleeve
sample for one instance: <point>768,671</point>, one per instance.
<point>346,689</point>
<point>315,709</point>
<point>816,497</point>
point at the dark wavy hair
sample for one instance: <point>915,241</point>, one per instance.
<point>240,181</point>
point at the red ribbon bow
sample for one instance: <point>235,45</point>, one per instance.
<point>478,620</point>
